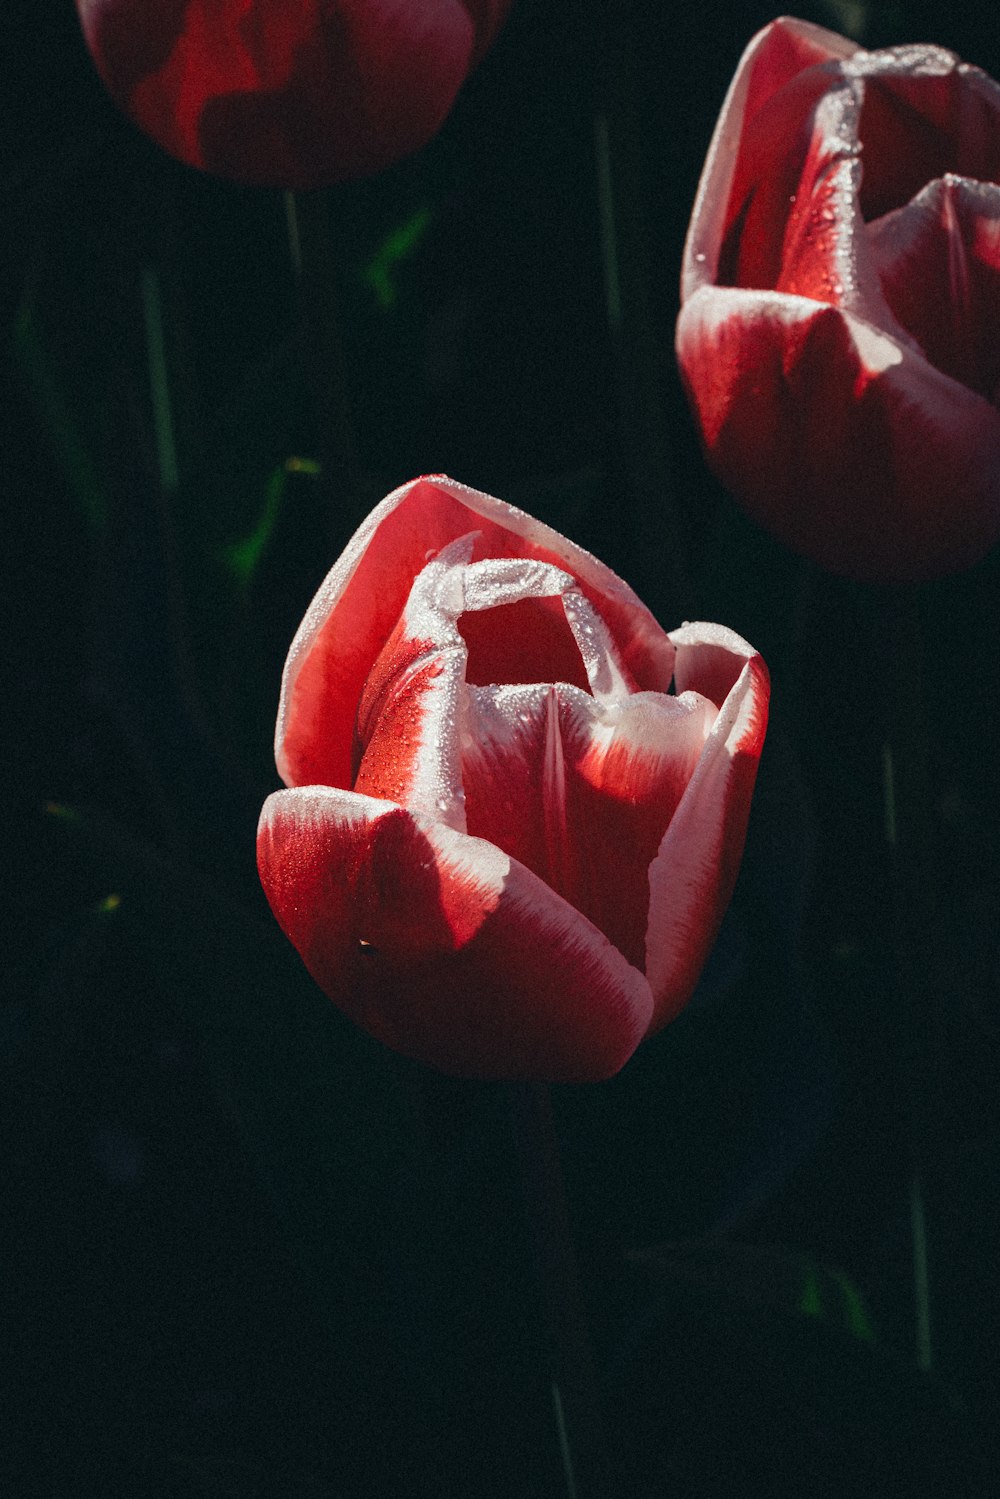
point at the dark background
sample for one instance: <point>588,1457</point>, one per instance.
<point>248,1251</point>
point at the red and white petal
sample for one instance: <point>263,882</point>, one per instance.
<point>624,788</point>
<point>849,446</point>
<point>820,222</point>
<point>581,792</point>
<point>608,678</point>
<point>774,61</point>
<point>413,708</point>
<point>363,596</point>
<point>516,742</point>
<point>407,722</point>
<point>515,624</point>
<point>441,946</point>
<point>692,877</point>
<point>502,584</point>
<point>784,227</point>
<point>939,262</point>
<point>710,659</point>
<point>925,114</point>
<point>793,222</point>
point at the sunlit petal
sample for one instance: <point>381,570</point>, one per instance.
<point>442,946</point>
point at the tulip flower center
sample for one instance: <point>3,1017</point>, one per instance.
<point>501,706</point>
<point>526,641</point>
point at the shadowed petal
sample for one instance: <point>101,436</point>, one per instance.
<point>925,114</point>
<point>692,877</point>
<point>298,94</point>
<point>939,261</point>
<point>843,441</point>
<point>443,947</point>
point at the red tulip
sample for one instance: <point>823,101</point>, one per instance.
<point>840,325</point>
<point>507,846</point>
<point>288,93</point>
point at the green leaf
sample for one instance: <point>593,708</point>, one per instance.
<point>397,246</point>
<point>244,557</point>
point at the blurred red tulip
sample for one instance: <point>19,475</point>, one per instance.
<point>508,846</point>
<point>288,93</point>
<point>840,325</point>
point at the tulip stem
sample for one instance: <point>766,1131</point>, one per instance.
<point>314,267</point>
<point>587,1470</point>
<point>907,804</point>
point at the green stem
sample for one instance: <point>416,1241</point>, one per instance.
<point>311,252</point>
<point>586,1463</point>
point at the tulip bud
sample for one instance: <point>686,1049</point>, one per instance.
<point>516,806</point>
<point>293,94</point>
<point>839,333</point>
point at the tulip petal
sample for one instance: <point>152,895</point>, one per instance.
<point>581,792</point>
<point>925,114</point>
<point>778,58</point>
<point>359,603</point>
<point>692,876</point>
<point>793,222</point>
<point>413,709</point>
<point>845,443</point>
<point>710,660</point>
<point>408,747</point>
<point>939,262</point>
<point>442,946</point>
<point>795,162</point>
<point>531,638</point>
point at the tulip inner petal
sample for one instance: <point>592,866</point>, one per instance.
<point>582,792</point>
<point>922,117</point>
<point>406,741</point>
<point>526,641</point>
<point>939,261</point>
<point>788,144</point>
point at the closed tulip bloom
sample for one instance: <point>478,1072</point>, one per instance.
<point>516,806</point>
<point>288,93</point>
<point>839,333</point>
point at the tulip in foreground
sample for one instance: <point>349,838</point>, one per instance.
<point>506,845</point>
<point>839,334</point>
<point>288,93</point>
